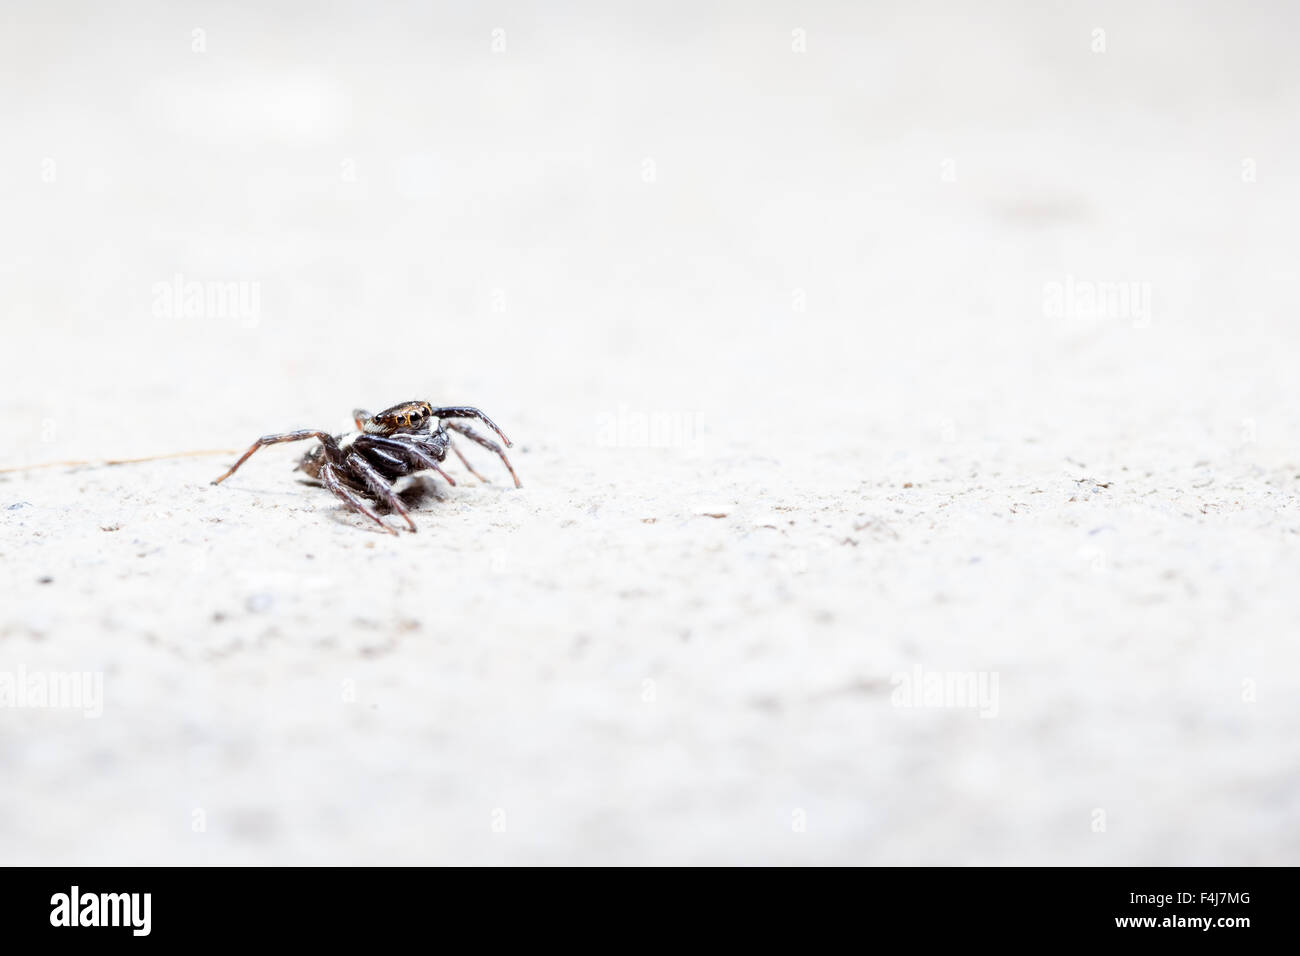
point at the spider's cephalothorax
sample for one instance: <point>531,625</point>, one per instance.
<point>408,416</point>
<point>387,455</point>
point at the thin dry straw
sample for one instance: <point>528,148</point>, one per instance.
<point>118,461</point>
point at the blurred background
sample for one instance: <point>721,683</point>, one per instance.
<point>700,206</point>
<point>868,280</point>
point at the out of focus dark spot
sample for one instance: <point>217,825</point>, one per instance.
<point>251,823</point>
<point>1043,211</point>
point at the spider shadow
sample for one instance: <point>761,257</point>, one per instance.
<point>423,489</point>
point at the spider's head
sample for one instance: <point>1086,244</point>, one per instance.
<point>408,416</point>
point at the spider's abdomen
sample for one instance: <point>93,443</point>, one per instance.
<point>311,462</point>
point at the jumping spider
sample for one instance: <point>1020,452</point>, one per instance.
<point>384,458</point>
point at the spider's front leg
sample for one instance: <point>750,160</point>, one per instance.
<point>486,443</point>
<point>465,461</point>
<point>379,486</point>
<point>465,411</point>
<point>334,482</point>
<point>411,452</point>
<point>331,446</point>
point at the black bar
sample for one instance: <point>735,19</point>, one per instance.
<point>930,906</point>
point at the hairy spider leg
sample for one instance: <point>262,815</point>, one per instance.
<point>411,451</point>
<point>330,477</point>
<point>486,443</point>
<point>378,486</point>
<point>332,453</point>
<point>463,411</point>
<point>465,461</point>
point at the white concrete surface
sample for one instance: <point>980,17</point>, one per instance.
<point>845,270</point>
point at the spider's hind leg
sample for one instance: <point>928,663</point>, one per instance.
<point>331,447</point>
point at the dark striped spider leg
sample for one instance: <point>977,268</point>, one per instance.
<point>332,451</point>
<point>413,452</point>
<point>486,443</point>
<point>327,470</point>
<point>421,418</point>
